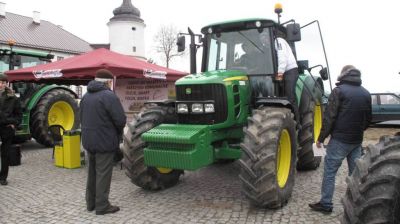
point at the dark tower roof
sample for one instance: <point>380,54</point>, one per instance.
<point>126,12</point>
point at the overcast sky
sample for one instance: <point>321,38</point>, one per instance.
<point>363,33</point>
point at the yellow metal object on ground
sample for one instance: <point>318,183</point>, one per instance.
<point>68,155</point>
<point>58,156</point>
<point>72,150</point>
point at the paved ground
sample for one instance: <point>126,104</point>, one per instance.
<point>38,192</point>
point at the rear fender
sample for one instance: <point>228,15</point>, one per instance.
<point>312,88</point>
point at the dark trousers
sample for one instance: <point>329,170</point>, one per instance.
<point>290,78</point>
<point>99,180</point>
<point>6,135</point>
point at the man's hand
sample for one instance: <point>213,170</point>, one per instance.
<point>319,144</point>
<point>279,77</point>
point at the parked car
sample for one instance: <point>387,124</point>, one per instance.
<point>385,107</point>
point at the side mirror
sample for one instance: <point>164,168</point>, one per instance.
<point>302,65</point>
<point>181,43</point>
<point>324,74</point>
<point>16,61</point>
<point>50,56</point>
<point>293,32</point>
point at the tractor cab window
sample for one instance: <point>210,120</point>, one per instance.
<point>217,60</point>
<point>245,50</point>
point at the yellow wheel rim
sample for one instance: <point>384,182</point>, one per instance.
<point>284,157</point>
<point>61,113</point>
<point>164,170</point>
<point>317,122</point>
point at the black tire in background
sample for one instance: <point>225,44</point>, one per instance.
<point>307,135</point>
<point>149,178</point>
<point>373,190</point>
<point>264,183</point>
<point>39,117</point>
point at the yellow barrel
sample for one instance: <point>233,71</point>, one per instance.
<point>72,149</point>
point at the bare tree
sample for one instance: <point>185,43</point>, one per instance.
<point>165,40</point>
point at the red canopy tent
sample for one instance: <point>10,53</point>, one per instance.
<point>82,68</point>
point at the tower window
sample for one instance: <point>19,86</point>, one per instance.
<point>133,28</point>
<point>134,49</point>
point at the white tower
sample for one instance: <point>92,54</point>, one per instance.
<point>126,31</point>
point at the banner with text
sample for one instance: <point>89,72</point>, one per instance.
<point>133,93</point>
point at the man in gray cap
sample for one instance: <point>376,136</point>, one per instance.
<point>347,116</point>
<point>102,120</point>
<point>10,118</point>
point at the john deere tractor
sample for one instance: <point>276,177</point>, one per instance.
<point>43,105</point>
<point>230,111</point>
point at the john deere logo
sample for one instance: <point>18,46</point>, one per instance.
<point>188,91</point>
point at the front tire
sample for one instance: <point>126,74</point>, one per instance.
<point>268,162</point>
<point>373,194</point>
<point>149,178</point>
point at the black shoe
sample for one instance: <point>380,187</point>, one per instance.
<point>3,182</point>
<point>109,210</point>
<point>91,209</point>
<point>320,208</point>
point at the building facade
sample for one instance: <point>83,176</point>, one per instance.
<point>31,34</point>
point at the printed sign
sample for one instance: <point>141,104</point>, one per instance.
<point>48,74</point>
<point>148,73</point>
<point>318,151</point>
<point>133,93</point>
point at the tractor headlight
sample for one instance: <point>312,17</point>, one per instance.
<point>197,108</point>
<point>209,108</point>
<point>182,108</point>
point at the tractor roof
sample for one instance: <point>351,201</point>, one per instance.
<point>239,24</point>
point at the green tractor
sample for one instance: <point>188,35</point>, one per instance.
<point>43,105</point>
<point>230,112</point>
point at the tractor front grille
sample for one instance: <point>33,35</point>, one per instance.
<point>203,92</point>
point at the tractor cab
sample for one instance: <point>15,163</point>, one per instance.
<point>240,46</point>
<point>247,46</point>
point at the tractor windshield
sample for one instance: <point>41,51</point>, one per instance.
<point>246,50</point>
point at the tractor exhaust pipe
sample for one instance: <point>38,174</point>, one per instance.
<point>193,50</point>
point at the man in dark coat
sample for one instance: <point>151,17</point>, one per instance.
<point>102,123</point>
<point>347,116</point>
<point>10,118</point>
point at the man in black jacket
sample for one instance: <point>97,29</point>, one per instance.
<point>102,122</point>
<point>10,118</point>
<point>347,116</point>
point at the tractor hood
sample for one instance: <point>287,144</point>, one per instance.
<point>219,76</point>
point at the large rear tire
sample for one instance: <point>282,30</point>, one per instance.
<point>311,124</point>
<point>149,178</point>
<point>373,194</point>
<point>58,106</point>
<point>268,162</point>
